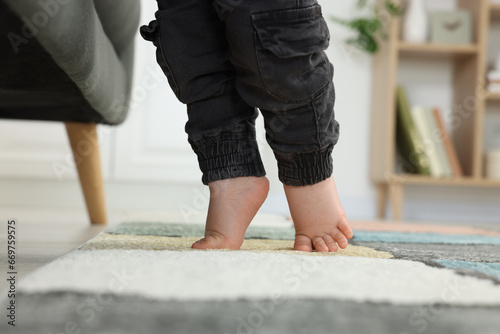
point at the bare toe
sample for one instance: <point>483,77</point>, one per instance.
<point>341,240</point>
<point>302,243</point>
<point>343,226</point>
<point>332,245</point>
<point>320,245</point>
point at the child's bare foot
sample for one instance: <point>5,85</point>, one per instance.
<point>233,205</point>
<point>318,216</point>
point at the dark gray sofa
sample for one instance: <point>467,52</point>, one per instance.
<point>69,61</point>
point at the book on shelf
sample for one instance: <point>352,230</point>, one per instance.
<point>451,153</point>
<point>426,128</point>
<point>424,143</point>
<point>438,141</point>
<point>409,143</point>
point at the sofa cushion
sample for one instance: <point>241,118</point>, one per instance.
<point>72,33</point>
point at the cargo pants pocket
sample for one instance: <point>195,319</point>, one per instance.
<point>290,48</point>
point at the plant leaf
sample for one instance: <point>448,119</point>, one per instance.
<point>370,28</point>
<point>393,9</point>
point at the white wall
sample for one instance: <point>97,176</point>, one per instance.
<point>353,100</point>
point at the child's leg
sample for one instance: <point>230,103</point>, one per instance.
<point>277,48</point>
<point>193,52</point>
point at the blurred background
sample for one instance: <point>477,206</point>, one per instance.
<point>149,168</point>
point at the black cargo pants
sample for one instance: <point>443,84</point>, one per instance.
<point>226,58</point>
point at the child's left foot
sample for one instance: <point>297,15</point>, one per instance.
<point>233,205</point>
<point>318,216</point>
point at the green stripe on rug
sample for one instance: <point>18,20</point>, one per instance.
<point>196,230</point>
<point>288,233</point>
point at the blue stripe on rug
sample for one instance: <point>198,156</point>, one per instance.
<point>425,238</point>
<point>490,269</point>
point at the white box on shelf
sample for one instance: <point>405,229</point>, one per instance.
<point>492,165</point>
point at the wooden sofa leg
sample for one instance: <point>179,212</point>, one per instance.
<point>85,146</point>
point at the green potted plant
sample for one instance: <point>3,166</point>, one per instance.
<point>371,29</point>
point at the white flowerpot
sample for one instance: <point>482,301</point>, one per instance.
<point>416,23</point>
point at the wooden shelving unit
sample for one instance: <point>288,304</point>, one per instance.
<point>470,67</point>
<point>458,182</point>
<point>433,50</point>
<point>493,97</point>
<point>495,10</point>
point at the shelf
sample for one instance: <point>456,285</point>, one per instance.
<point>437,49</point>
<point>468,67</point>
<point>493,97</point>
<point>459,182</point>
<point>495,10</point>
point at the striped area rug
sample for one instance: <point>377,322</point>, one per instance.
<point>145,278</point>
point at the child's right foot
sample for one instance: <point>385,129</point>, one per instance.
<point>233,205</point>
<point>318,216</point>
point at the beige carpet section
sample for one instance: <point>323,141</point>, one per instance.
<point>107,241</point>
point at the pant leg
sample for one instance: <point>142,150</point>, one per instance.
<point>277,48</point>
<point>193,52</point>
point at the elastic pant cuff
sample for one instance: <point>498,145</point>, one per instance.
<point>302,169</point>
<point>228,155</point>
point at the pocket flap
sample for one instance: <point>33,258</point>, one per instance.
<point>292,32</point>
<point>150,32</point>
